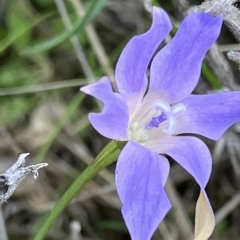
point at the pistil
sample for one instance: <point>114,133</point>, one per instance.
<point>165,114</point>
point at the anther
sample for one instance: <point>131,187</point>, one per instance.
<point>134,126</point>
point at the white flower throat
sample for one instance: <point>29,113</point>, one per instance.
<point>161,118</point>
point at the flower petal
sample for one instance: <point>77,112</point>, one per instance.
<point>112,122</point>
<point>209,115</point>
<point>190,152</point>
<point>132,65</point>
<point>176,68</point>
<point>140,179</point>
<point>204,218</point>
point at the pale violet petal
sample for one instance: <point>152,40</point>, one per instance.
<point>112,122</point>
<point>133,62</point>
<point>176,68</point>
<point>190,152</point>
<point>140,178</point>
<point>209,115</point>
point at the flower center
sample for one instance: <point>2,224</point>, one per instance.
<point>165,113</point>
<point>161,114</point>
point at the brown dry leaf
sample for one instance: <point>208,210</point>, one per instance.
<point>204,219</point>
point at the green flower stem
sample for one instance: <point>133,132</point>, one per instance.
<point>107,156</point>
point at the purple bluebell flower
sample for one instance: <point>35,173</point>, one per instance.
<point>152,112</point>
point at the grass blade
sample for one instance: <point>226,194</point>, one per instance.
<point>9,40</point>
<point>94,8</point>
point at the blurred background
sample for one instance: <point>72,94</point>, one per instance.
<point>47,53</point>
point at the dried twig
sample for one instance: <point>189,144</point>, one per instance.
<point>74,40</point>
<point>221,67</point>
<point>12,177</point>
<point>95,42</point>
<point>229,12</point>
<point>45,86</point>
<point>180,215</point>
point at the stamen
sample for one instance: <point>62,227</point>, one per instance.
<point>143,138</point>
<point>140,136</point>
<point>134,126</point>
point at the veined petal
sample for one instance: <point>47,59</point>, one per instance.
<point>176,68</point>
<point>190,152</point>
<point>209,115</point>
<point>140,178</point>
<point>132,65</point>
<point>112,122</point>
